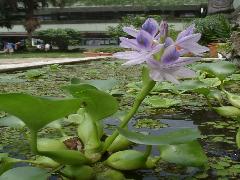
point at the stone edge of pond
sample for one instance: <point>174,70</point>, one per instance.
<point>40,62</point>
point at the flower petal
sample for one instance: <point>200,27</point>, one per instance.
<point>144,40</point>
<point>129,43</point>
<point>190,44</point>
<point>168,42</point>
<point>150,26</point>
<point>170,55</point>
<point>131,31</point>
<point>184,72</point>
<point>127,55</point>
<point>189,31</point>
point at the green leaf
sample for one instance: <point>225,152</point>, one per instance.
<point>25,173</point>
<point>36,112</point>
<point>211,82</point>
<point>220,69</point>
<point>6,163</point>
<point>228,111</point>
<point>11,121</point>
<point>69,157</point>
<point>233,99</point>
<point>175,137</point>
<point>100,84</point>
<point>189,154</point>
<point>98,104</point>
<point>194,86</point>
<point>158,102</point>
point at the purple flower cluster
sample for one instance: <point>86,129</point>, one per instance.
<point>152,45</point>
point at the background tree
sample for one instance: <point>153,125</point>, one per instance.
<point>61,38</point>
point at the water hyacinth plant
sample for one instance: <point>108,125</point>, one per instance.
<point>90,103</point>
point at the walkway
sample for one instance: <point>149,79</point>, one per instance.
<point>19,64</point>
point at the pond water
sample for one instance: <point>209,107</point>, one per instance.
<point>218,134</point>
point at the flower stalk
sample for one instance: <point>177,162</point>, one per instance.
<point>139,99</point>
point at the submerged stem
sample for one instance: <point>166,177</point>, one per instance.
<point>141,96</point>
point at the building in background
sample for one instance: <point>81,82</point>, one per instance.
<point>93,20</point>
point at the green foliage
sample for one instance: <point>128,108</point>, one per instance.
<point>100,84</point>
<point>32,110</point>
<point>61,38</point>
<point>109,49</point>
<point>189,154</point>
<point>11,121</point>
<point>126,160</point>
<point>25,173</point>
<point>98,104</point>
<point>178,136</point>
<point>158,102</point>
<point>214,28</point>
<point>221,69</point>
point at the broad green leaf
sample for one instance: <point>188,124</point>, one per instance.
<point>165,86</point>
<point>98,104</point>
<point>174,137</point>
<point>25,173</point>
<point>211,82</point>
<point>46,144</point>
<point>220,69</point>
<point>100,84</point>
<point>158,102</point>
<point>11,121</point>
<point>228,111</point>
<point>36,112</point>
<point>69,157</point>
<point>233,99</point>
<point>194,86</point>
<point>76,89</point>
<point>189,154</point>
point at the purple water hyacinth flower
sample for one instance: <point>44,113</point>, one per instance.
<point>143,46</point>
<point>171,71</point>
<point>187,42</point>
<point>163,30</point>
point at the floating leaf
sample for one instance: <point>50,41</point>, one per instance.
<point>194,86</point>
<point>36,112</point>
<point>98,104</point>
<point>158,102</point>
<point>211,82</point>
<point>100,84</point>
<point>25,173</point>
<point>233,99</point>
<point>228,111</point>
<point>11,121</point>
<point>220,69</point>
<point>34,73</point>
<point>189,154</point>
<point>178,136</point>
